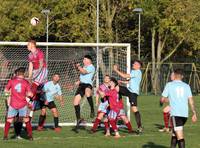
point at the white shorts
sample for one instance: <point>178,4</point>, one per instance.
<point>113,115</point>
<point>12,112</point>
<point>103,107</point>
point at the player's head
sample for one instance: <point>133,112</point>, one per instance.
<point>56,78</point>
<point>20,71</point>
<point>106,79</point>
<point>136,64</point>
<point>172,77</point>
<point>178,74</point>
<point>113,82</point>
<point>31,45</point>
<point>87,60</point>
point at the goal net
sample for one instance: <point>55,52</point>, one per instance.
<point>62,58</point>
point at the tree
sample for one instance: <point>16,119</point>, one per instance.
<point>171,22</point>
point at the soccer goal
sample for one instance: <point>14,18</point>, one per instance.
<point>62,58</point>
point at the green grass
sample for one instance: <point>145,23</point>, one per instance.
<point>151,138</point>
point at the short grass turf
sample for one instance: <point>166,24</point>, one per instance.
<point>151,118</point>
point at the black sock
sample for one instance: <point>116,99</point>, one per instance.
<point>90,101</point>
<point>181,143</point>
<point>173,142</point>
<point>138,119</point>
<point>56,121</point>
<point>18,127</point>
<point>41,120</point>
<point>77,112</point>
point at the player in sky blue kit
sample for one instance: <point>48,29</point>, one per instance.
<point>179,95</point>
<point>132,91</point>
<point>51,90</point>
<point>84,88</point>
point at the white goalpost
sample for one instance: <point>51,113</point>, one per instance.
<point>62,58</point>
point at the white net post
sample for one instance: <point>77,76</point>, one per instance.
<point>62,58</point>
<point>128,71</point>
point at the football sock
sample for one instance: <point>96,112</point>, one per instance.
<point>113,124</point>
<point>138,119</point>
<point>41,120</point>
<point>90,101</point>
<point>77,112</point>
<point>107,126</point>
<point>130,129</point>
<point>29,128</point>
<point>96,123</point>
<point>166,119</point>
<point>18,127</point>
<point>173,141</point>
<point>181,143</point>
<point>6,129</point>
<point>56,122</point>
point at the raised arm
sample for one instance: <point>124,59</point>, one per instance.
<point>81,69</point>
<point>30,70</point>
<point>123,75</point>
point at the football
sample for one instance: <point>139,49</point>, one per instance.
<point>35,21</point>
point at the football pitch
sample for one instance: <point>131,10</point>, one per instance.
<point>151,118</point>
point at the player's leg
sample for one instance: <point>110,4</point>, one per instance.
<point>178,123</point>
<point>123,91</point>
<point>24,113</point>
<point>88,94</point>
<point>102,110</point>
<point>123,116</point>
<point>18,123</point>
<point>107,126</point>
<point>76,102</point>
<point>10,117</point>
<point>97,121</point>
<point>133,103</point>
<point>42,118</point>
<point>53,108</point>
<point>166,117</point>
<point>112,118</point>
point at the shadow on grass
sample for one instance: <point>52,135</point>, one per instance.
<point>153,145</point>
<point>158,126</point>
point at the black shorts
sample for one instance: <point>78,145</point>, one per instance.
<point>51,105</point>
<point>178,122</point>
<point>81,89</point>
<point>132,96</point>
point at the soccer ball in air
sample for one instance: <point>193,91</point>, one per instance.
<point>35,21</point>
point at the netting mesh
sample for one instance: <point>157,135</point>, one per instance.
<point>62,60</point>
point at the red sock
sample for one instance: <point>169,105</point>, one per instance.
<point>29,128</point>
<point>113,124</point>
<point>166,119</point>
<point>6,129</point>
<point>130,129</point>
<point>96,123</point>
<point>107,126</point>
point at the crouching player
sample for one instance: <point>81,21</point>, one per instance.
<point>52,90</point>
<point>103,106</point>
<point>113,96</point>
<point>19,89</point>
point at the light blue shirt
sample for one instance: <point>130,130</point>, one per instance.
<point>51,90</point>
<point>178,94</point>
<point>87,78</point>
<point>134,82</point>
